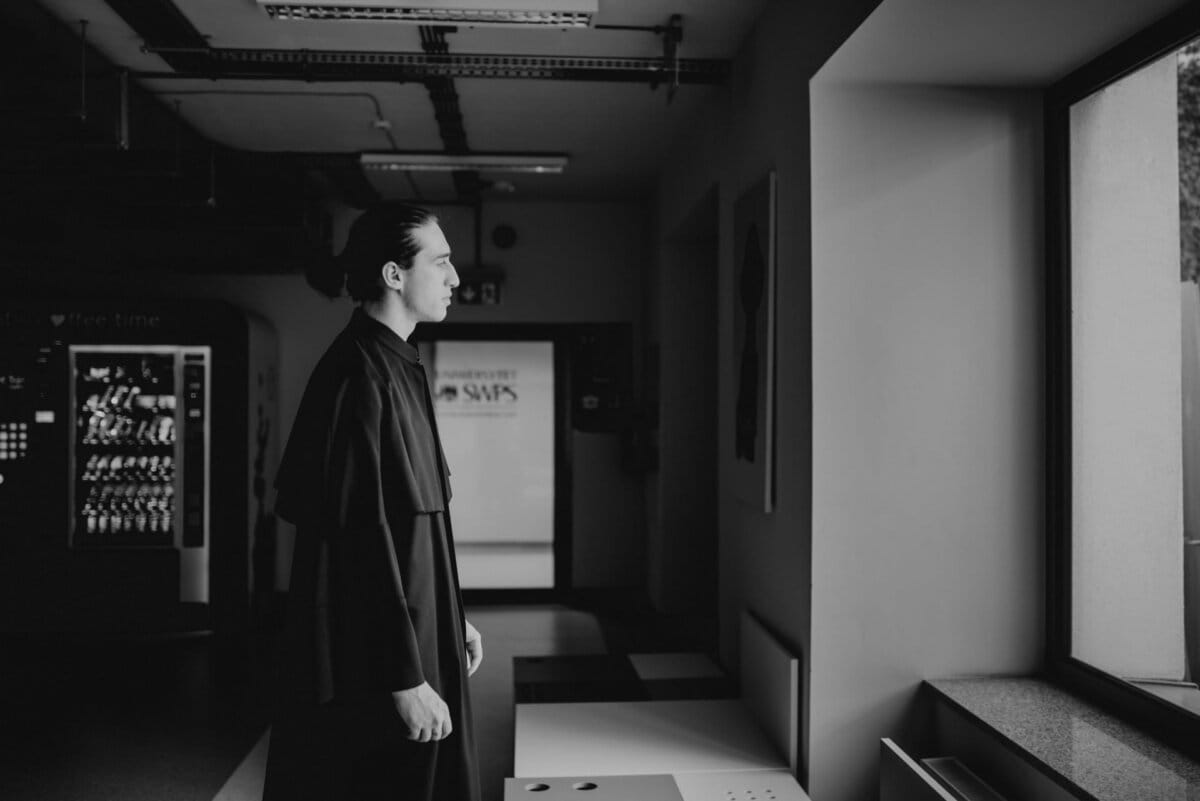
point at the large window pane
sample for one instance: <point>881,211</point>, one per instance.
<point>1134,325</point>
<point>1127,582</point>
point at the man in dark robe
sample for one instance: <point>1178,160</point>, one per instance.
<point>376,651</point>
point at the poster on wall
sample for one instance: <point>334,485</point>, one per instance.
<point>753,432</point>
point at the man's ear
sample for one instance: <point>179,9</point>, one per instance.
<point>393,276</point>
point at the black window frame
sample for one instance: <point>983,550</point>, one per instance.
<point>1162,719</point>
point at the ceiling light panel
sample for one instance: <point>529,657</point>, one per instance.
<point>449,162</point>
<point>506,13</point>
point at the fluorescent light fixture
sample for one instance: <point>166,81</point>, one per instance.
<point>510,13</point>
<point>449,162</point>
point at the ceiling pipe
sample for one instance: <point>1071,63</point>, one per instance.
<point>178,135</point>
<point>478,233</point>
<point>672,38</point>
<point>211,200</point>
<point>123,111</point>
<point>448,112</point>
<point>672,34</point>
<point>379,123</point>
<point>83,23</point>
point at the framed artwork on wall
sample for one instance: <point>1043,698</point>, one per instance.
<point>753,430</point>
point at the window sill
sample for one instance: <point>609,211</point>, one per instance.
<point>1086,751</point>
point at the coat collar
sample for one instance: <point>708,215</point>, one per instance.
<point>367,326</point>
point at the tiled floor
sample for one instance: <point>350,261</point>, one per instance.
<point>179,719</point>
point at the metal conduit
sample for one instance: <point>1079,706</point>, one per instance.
<point>290,93</point>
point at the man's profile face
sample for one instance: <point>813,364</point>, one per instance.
<point>429,283</point>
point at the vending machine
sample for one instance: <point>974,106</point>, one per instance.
<point>135,442</point>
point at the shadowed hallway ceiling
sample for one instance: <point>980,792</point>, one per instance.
<point>211,134</point>
<point>216,116</point>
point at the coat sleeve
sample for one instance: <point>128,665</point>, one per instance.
<point>372,641</point>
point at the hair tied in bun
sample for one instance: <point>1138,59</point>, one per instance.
<point>326,274</point>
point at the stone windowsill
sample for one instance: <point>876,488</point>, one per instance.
<point>1089,752</point>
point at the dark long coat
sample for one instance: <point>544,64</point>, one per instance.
<point>374,603</point>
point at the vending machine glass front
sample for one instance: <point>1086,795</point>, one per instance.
<point>139,452</point>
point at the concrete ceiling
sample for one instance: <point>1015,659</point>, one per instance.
<point>1012,43</point>
<point>244,184</point>
<point>614,133</point>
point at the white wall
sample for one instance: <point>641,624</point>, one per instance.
<point>761,124</point>
<point>927,406</point>
<point>1126,401</point>
<point>907,538</point>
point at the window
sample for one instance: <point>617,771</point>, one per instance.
<point>1123,304</point>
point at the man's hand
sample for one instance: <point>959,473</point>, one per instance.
<point>423,712</point>
<point>474,643</point>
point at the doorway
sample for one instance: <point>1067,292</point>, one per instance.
<point>497,399</point>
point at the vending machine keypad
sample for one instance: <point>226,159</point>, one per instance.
<point>14,441</point>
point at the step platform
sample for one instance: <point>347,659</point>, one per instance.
<point>618,677</point>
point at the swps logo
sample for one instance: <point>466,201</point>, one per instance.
<point>477,387</point>
<point>477,393</point>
